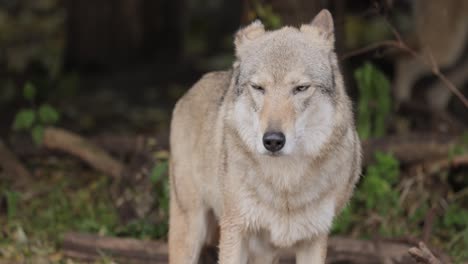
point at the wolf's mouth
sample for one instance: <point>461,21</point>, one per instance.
<point>275,154</point>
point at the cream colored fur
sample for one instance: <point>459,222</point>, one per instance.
<point>220,171</point>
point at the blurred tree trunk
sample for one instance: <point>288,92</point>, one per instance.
<point>108,33</point>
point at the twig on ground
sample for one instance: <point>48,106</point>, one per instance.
<point>433,166</point>
<point>422,254</point>
<point>428,224</point>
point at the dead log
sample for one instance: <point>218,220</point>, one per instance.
<point>350,250</point>
<point>60,139</point>
<point>11,165</point>
<point>115,144</point>
<point>126,250</point>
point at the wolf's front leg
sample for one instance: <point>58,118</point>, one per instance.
<point>233,245</point>
<point>187,234</point>
<point>313,251</point>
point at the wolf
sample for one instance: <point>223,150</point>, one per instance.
<point>267,150</point>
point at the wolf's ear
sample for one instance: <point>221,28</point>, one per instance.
<point>249,33</point>
<point>321,26</point>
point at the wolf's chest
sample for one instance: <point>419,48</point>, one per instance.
<point>288,222</point>
<point>288,218</point>
<point>290,200</point>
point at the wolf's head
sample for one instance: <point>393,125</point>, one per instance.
<point>287,87</point>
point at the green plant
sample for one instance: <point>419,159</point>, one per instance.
<point>12,198</point>
<point>161,184</point>
<point>455,226</point>
<point>143,229</point>
<point>374,101</point>
<point>159,178</point>
<point>63,207</point>
<point>344,221</point>
<point>460,148</point>
<point>375,195</point>
<point>34,119</point>
<point>376,190</point>
<point>267,15</point>
<point>378,208</point>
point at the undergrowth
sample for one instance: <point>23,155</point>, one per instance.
<point>387,205</point>
<point>394,203</point>
<point>35,222</point>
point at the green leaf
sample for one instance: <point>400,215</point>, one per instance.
<point>37,134</point>
<point>48,114</point>
<point>158,171</point>
<point>164,197</point>
<point>29,91</point>
<point>374,104</point>
<point>12,198</point>
<point>343,221</point>
<point>24,119</point>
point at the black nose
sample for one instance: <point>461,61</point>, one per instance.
<point>273,141</point>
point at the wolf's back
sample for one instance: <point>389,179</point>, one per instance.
<point>194,117</point>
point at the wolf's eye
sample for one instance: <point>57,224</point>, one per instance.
<point>300,88</point>
<point>258,88</point>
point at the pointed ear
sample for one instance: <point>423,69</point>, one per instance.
<point>249,33</point>
<point>323,21</point>
<point>322,26</point>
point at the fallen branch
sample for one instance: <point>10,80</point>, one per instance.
<point>126,250</point>
<point>436,165</point>
<point>11,165</point>
<point>410,148</point>
<point>124,144</point>
<point>115,144</point>
<point>354,251</point>
<point>60,139</point>
<point>422,254</point>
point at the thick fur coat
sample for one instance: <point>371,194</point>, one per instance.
<point>223,172</point>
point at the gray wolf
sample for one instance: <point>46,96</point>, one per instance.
<point>267,151</point>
